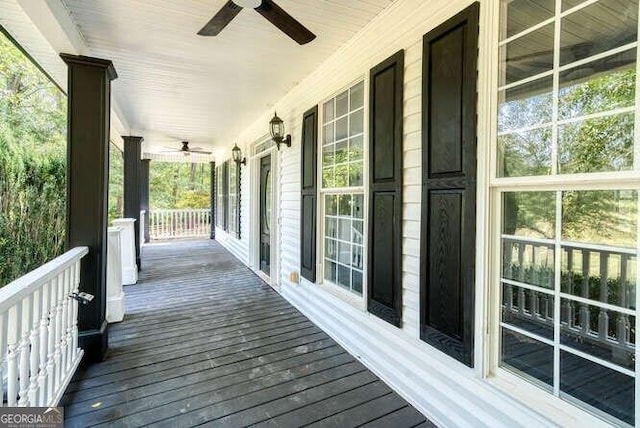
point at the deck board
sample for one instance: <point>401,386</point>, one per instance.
<point>205,341</point>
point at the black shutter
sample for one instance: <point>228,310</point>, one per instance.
<point>384,279</point>
<point>449,185</point>
<point>309,194</point>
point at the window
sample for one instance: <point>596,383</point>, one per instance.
<point>222,196</point>
<point>234,198</point>
<point>342,189</point>
<point>569,244</point>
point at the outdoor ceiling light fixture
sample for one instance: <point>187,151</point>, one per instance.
<point>236,155</point>
<point>276,126</point>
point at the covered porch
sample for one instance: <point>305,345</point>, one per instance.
<point>207,341</point>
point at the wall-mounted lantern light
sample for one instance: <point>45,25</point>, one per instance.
<point>236,154</point>
<point>276,126</point>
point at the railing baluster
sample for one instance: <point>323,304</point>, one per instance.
<point>35,348</point>
<point>585,313</point>
<point>66,324</point>
<point>567,306</point>
<point>58,329</point>
<point>44,339</point>
<point>14,332</point>
<point>603,317</point>
<point>51,336</point>
<point>25,345</point>
<point>623,328</point>
<point>3,354</point>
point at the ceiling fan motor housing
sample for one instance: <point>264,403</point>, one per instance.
<point>248,3</point>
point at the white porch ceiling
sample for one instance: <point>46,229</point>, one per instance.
<point>174,85</point>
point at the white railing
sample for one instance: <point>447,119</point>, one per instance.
<point>39,332</point>
<point>184,223</point>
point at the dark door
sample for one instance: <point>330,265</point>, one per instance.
<point>449,185</point>
<point>265,215</point>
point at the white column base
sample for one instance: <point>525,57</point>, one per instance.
<point>130,275</point>
<point>115,308</point>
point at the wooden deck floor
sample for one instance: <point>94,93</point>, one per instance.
<point>206,342</point>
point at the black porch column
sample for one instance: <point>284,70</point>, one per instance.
<point>132,186</point>
<point>144,195</point>
<point>213,200</point>
<point>89,88</point>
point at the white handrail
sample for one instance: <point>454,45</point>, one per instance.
<point>179,223</point>
<point>39,332</point>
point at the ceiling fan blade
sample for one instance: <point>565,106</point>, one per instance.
<point>220,20</point>
<point>285,22</point>
<point>200,152</point>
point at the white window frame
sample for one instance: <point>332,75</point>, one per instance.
<point>490,369</point>
<point>357,301</point>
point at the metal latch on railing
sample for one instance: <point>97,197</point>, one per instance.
<point>82,297</point>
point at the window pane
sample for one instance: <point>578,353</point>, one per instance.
<point>596,145</point>
<point>528,55</point>
<point>342,104</point>
<point>331,227</point>
<point>330,249</point>
<point>357,235</point>
<point>342,152</point>
<point>356,256</point>
<point>328,177</point>
<point>344,276</point>
<point>344,253</point>
<point>529,214</point>
<point>527,357</point>
<point>356,122</point>
<point>358,206</point>
<point>342,128</point>
<point>355,149</point>
<point>604,217</point>
<point>598,86</point>
<point>528,310</point>
<point>357,96</point>
<point>525,153</point>
<point>330,271</point>
<point>523,14</point>
<point>526,105</point>
<point>328,154</point>
<point>328,133</point>
<point>598,28</point>
<point>331,204</point>
<point>356,281</point>
<point>598,386</point>
<point>345,205</point>
<point>355,174</point>
<point>598,332</point>
<point>328,113</point>
<point>344,231</point>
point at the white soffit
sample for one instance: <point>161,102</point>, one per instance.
<point>174,85</point>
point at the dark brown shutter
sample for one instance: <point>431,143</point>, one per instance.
<point>309,194</point>
<point>449,185</point>
<point>384,279</point>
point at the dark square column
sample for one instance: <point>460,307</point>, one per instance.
<point>132,186</point>
<point>144,195</point>
<point>89,88</point>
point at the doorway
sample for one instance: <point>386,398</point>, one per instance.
<point>266,208</point>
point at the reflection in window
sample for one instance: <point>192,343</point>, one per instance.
<point>576,115</point>
<point>597,282</point>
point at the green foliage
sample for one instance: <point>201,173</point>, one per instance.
<point>179,185</point>
<point>116,182</point>
<point>32,165</point>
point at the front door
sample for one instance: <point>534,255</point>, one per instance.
<point>265,214</point>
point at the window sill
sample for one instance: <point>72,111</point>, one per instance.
<point>348,297</point>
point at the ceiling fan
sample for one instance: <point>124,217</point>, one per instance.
<point>186,150</point>
<point>267,8</point>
